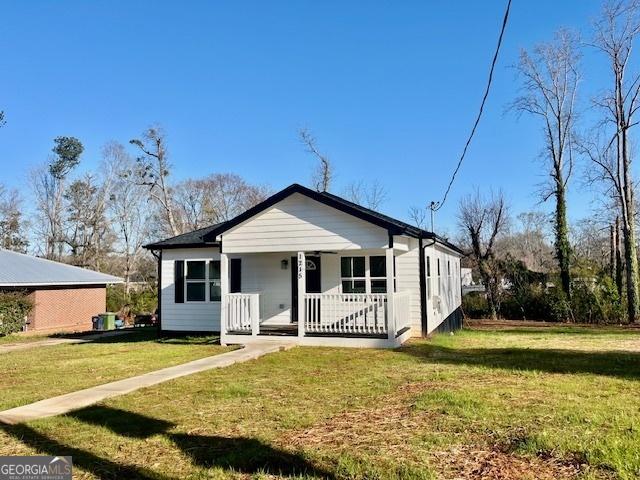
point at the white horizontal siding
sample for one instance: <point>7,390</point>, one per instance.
<point>300,223</point>
<point>449,285</point>
<point>408,280</point>
<point>263,274</point>
<point>188,316</point>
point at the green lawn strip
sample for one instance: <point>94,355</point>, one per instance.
<point>44,372</point>
<point>18,338</point>
<point>321,412</point>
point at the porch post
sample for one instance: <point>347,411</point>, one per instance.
<point>254,308</point>
<point>302,289</point>
<point>391,317</point>
<point>224,291</point>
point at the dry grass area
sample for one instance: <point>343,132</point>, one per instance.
<point>510,403</point>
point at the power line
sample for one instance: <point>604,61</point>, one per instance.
<point>435,206</point>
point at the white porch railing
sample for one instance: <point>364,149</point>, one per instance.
<point>346,314</point>
<point>401,302</point>
<point>352,314</point>
<point>242,312</point>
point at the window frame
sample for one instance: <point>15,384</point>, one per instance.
<point>372,279</point>
<point>210,281</point>
<point>429,283</point>
<point>207,280</point>
<point>353,278</point>
<point>367,274</point>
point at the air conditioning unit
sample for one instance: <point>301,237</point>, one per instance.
<point>437,303</point>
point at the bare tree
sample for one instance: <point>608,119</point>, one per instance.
<point>418,215</point>
<point>482,220</point>
<point>13,235</point>
<point>48,184</point>
<point>127,209</point>
<point>153,172</point>
<point>216,198</point>
<point>615,33</point>
<point>529,243</point>
<point>87,232</point>
<point>550,87</point>
<point>590,238</point>
<point>371,195</point>
<point>3,120</point>
<point>323,174</point>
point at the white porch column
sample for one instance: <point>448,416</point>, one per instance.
<point>255,314</point>
<point>302,289</point>
<point>224,291</point>
<point>391,317</point>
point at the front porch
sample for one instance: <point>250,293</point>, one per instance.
<point>371,314</point>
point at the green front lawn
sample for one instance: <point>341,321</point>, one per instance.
<point>537,404</point>
<point>22,338</point>
<point>37,373</point>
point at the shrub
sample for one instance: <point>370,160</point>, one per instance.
<point>559,307</point>
<point>530,303</point>
<point>14,308</point>
<point>596,302</point>
<point>139,300</point>
<point>611,305</point>
<point>475,305</point>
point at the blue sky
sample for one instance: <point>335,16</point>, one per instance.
<point>390,89</point>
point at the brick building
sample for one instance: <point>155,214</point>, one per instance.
<point>65,297</point>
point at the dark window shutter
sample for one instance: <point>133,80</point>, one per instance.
<point>178,280</point>
<point>235,283</point>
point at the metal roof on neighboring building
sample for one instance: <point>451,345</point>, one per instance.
<point>20,270</point>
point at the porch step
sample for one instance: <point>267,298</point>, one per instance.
<point>288,329</point>
<point>271,330</point>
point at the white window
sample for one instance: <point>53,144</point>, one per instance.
<point>195,281</point>
<point>356,278</point>
<point>428,277</point>
<point>202,281</point>
<point>378,274</point>
<point>439,280</point>
<point>353,275</point>
<point>215,294</point>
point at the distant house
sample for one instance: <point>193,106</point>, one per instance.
<point>65,297</point>
<point>311,268</point>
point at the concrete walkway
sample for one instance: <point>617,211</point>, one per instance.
<point>83,398</point>
<point>12,347</point>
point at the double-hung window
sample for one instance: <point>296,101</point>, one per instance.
<point>378,274</point>
<point>428,277</point>
<point>202,281</point>
<point>353,275</point>
<point>215,293</point>
<point>356,278</point>
<point>195,281</point>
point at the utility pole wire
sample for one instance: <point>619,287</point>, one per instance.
<point>435,206</point>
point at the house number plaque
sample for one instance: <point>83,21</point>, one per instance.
<point>300,265</point>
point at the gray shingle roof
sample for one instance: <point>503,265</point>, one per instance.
<point>189,239</point>
<point>19,270</point>
<point>207,236</point>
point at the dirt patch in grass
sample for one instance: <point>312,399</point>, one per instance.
<point>494,463</point>
<point>390,430</point>
<point>392,424</point>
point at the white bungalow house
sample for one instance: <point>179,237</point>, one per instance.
<point>312,268</point>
